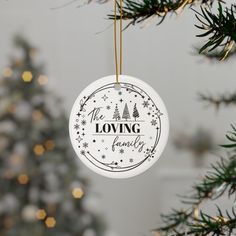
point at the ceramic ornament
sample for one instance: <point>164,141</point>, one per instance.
<point>119,130</point>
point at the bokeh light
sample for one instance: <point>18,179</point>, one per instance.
<point>41,214</point>
<point>39,149</point>
<point>49,144</point>
<point>77,193</point>
<point>27,76</point>
<point>23,179</point>
<point>7,72</point>
<point>37,115</point>
<point>50,222</point>
<point>42,79</point>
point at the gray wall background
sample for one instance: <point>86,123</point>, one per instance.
<point>161,56</point>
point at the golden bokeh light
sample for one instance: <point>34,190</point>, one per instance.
<point>77,193</point>
<point>41,214</point>
<point>37,115</point>
<point>11,108</point>
<point>49,144</point>
<point>196,213</point>
<point>7,72</point>
<point>27,76</point>
<point>42,79</point>
<point>23,179</point>
<point>50,222</point>
<point>39,149</point>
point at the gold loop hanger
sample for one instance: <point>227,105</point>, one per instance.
<point>118,72</point>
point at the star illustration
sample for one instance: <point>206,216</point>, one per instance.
<point>153,122</point>
<point>131,160</point>
<point>145,104</point>
<point>78,114</point>
<point>108,107</point>
<point>121,100</point>
<point>104,97</point>
<point>79,139</point>
<point>120,93</point>
<point>121,151</point>
<point>103,156</point>
<point>83,122</point>
<point>85,145</point>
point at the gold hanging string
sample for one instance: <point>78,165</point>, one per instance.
<point>115,40</point>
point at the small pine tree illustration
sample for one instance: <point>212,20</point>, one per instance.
<point>116,115</point>
<point>126,114</point>
<point>135,112</point>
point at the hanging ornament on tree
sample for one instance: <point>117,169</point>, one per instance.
<point>119,125</point>
<point>119,130</point>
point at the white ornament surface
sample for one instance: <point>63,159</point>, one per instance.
<point>119,133</point>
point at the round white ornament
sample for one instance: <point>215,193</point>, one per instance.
<point>119,130</point>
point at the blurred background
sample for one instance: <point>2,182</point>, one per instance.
<point>48,56</point>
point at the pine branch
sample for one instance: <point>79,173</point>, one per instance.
<point>220,29</point>
<point>183,223</point>
<point>139,11</point>
<point>222,177</point>
<point>191,221</point>
<point>209,225</point>
<point>226,100</point>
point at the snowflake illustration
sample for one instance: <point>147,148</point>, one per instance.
<point>83,122</point>
<point>76,126</point>
<point>121,151</point>
<point>79,139</point>
<point>108,107</point>
<point>85,145</point>
<point>158,113</point>
<point>145,104</point>
<point>153,122</point>
<point>104,97</point>
<point>103,156</point>
<point>82,152</point>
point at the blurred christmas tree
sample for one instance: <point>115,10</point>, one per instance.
<point>42,192</point>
